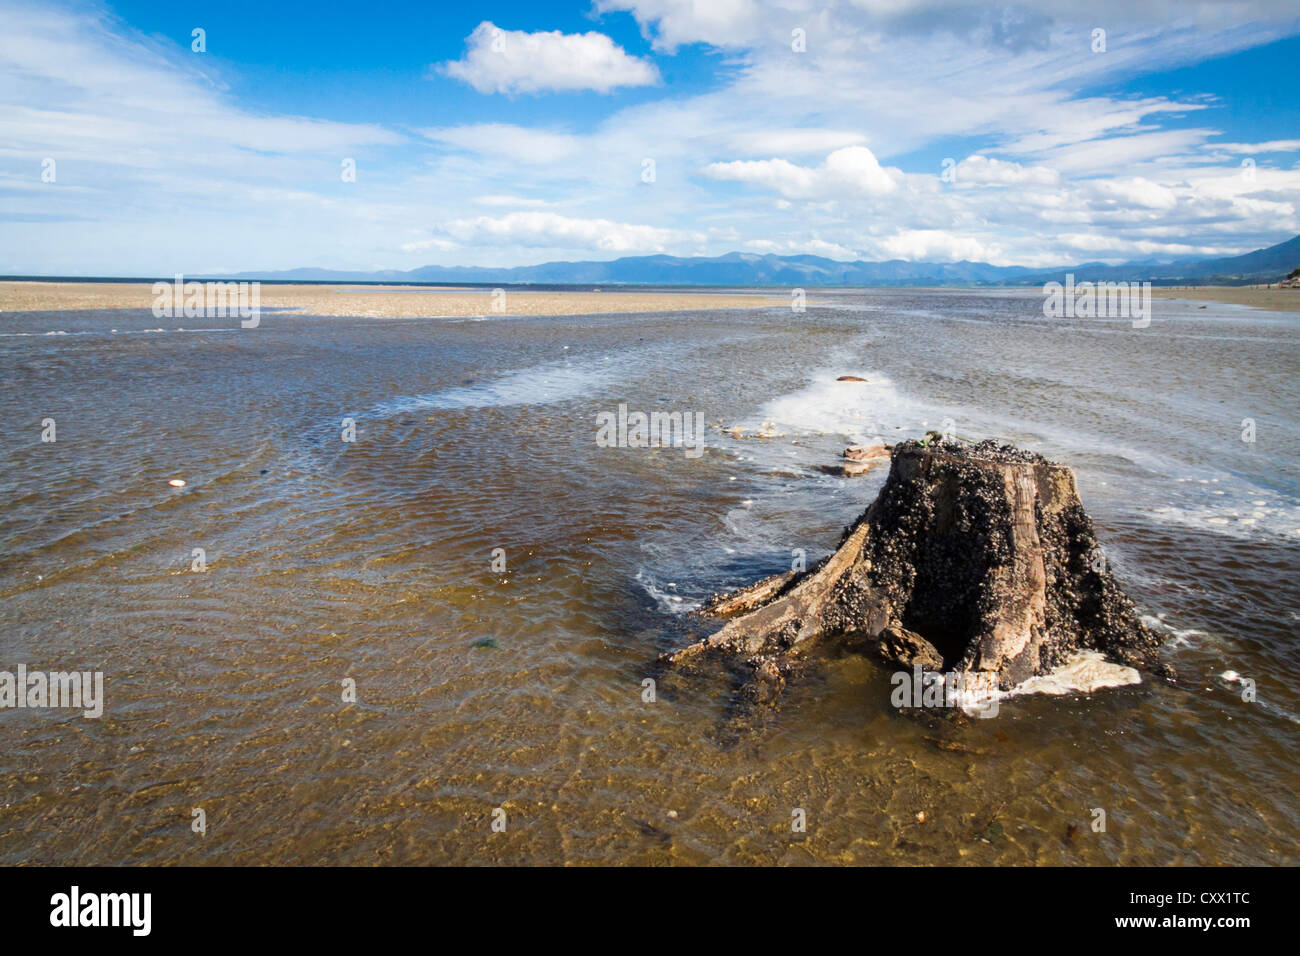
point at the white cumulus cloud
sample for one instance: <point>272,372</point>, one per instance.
<point>938,245</point>
<point>848,173</point>
<point>1001,172</point>
<point>720,23</point>
<point>1134,191</point>
<point>515,61</point>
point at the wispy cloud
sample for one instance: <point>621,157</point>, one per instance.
<point>520,144</point>
<point>552,229</point>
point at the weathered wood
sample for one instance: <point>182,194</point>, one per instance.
<point>980,555</point>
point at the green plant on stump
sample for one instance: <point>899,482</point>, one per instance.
<point>933,437</point>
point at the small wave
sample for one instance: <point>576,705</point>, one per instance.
<point>1230,678</point>
<point>666,597</point>
<point>1177,637</point>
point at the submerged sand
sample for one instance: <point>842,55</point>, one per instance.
<point>1273,299</point>
<point>384,301</point>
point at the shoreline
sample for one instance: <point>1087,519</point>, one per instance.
<point>388,302</point>
<point>1271,299</point>
<point>348,300</point>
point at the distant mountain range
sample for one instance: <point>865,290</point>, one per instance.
<point>744,269</point>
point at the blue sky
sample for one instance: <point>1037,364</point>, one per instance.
<point>513,133</point>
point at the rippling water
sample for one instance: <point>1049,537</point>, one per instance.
<point>522,690</point>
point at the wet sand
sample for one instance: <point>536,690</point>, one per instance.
<point>1274,300</point>
<point>393,302</point>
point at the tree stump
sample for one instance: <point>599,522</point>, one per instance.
<point>979,556</point>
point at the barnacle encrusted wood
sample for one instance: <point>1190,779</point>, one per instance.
<point>977,555</point>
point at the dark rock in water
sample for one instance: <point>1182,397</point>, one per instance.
<point>866,452</point>
<point>858,460</point>
<point>907,649</point>
<point>850,378</point>
<point>769,681</point>
<point>976,557</point>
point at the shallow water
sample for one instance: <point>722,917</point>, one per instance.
<point>372,560</point>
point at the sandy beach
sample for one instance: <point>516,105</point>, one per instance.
<point>1272,299</point>
<point>419,301</point>
<point>384,301</point>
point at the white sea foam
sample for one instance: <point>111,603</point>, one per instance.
<point>1231,678</point>
<point>537,385</point>
<point>1239,513</point>
<point>870,412</point>
<point>110,332</point>
<point>666,597</point>
<point>1085,672</point>
<point>758,530</point>
<point>878,411</point>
